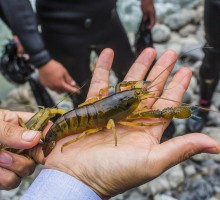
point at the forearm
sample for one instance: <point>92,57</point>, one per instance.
<point>53,184</point>
<point>22,21</point>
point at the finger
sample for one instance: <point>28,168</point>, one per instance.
<point>142,64</point>
<point>68,78</point>
<point>20,165</point>
<point>69,88</point>
<point>172,95</point>
<point>17,137</point>
<point>73,83</point>
<point>178,149</point>
<point>64,87</point>
<point>8,179</point>
<point>70,85</point>
<point>160,72</point>
<point>175,90</point>
<point>12,117</point>
<point>37,154</point>
<point>100,78</point>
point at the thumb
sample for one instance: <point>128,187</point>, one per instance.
<point>70,88</point>
<point>67,77</point>
<point>17,137</point>
<point>178,149</point>
<point>36,154</point>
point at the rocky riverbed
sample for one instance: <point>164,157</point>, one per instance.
<point>198,177</point>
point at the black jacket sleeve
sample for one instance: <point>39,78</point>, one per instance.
<point>21,19</point>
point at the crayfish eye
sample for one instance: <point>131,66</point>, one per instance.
<point>138,92</point>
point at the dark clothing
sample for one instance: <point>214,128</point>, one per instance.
<point>77,28</point>
<point>210,69</point>
<point>74,51</point>
<point>71,16</point>
<point>70,30</point>
<point>22,21</point>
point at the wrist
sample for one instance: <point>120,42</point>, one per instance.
<point>46,66</point>
<point>40,59</point>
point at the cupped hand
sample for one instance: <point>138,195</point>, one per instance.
<point>139,156</point>
<point>14,167</point>
<point>54,76</point>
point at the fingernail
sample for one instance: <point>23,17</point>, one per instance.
<point>73,83</point>
<point>5,158</point>
<point>28,136</point>
<point>212,150</point>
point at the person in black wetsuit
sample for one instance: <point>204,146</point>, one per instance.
<point>210,69</point>
<point>69,31</point>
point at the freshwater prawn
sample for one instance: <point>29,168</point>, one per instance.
<point>119,107</point>
<point>96,113</point>
<point>122,107</point>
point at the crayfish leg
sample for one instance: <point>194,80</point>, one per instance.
<point>140,123</point>
<point>21,122</point>
<point>111,125</point>
<point>140,109</point>
<point>3,147</point>
<point>56,111</point>
<point>133,84</point>
<point>179,112</point>
<point>104,90</point>
<point>82,135</point>
<point>145,114</point>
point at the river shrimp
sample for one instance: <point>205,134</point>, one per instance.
<point>122,107</point>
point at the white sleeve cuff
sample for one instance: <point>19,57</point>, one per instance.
<point>52,184</point>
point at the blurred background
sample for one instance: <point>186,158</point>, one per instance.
<point>179,27</point>
<point>130,15</point>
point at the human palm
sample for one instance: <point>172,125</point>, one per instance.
<point>138,156</point>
